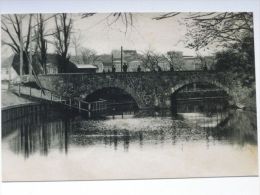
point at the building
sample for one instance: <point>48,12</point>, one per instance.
<point>53,65</point>
<point>209,62</point>
<point>191,63</point>
<point>199,62</point>
<point>99,65</point>
<point>164,64</point>
<point>86,68</point>
<point>7,71</point>
<point>104,63</point>
<point>130,57</point>
<point>51,68</point>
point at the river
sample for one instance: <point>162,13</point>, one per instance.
<point>130,144</point>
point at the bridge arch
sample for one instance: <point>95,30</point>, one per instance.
<point>219,85</point>
<point>129,92</point>
<point>209,83</point>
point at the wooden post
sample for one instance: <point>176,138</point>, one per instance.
<point>30,91</point>
<point>112,59</point>
<point>21,48</point>
<point>70,102</point>
<point>19,89</point>
<point>79,106</point>
<point>121,58</point>
<point>89,107</point>
<point>30,56</point>
<point>9,76</point>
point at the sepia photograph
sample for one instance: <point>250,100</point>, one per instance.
<point>128,95</point>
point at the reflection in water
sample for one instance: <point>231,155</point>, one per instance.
<point>121,129</point>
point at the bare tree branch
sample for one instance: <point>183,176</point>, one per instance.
<point>167,15</point>
<point>89,56</point>
<point>63,25</point>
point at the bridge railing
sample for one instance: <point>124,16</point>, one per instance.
<point>134,73</point>
<point>50,96</point>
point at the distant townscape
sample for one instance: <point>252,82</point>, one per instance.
<point>89,62</point>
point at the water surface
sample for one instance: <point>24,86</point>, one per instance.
<point>130,145</point>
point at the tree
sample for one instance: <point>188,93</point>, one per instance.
<point>62,35</point>
<point>88,56</point>
<point>150,60</point>
<point>76,43</point>
<point>239,60</point>
<point>231,31</point>
<point>41,42</point>
<point>31,27</point>
<point>112,18</point>
<point>218,28</point>
<point>175,60</point>
<point>13,26</point>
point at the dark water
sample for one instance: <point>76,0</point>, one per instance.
<point>148,138</point>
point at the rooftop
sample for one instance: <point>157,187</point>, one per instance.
<point>86,66</point>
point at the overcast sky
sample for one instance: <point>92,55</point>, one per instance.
<point>98,32</point>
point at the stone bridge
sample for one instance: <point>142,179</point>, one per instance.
<point>148,89</point>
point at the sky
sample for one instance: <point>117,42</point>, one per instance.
<point>101,33</point>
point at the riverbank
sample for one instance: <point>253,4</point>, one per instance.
<point>247,98</point>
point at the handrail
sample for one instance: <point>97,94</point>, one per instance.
<point>202,90</point>
<point>71,102</point>
<point>128,73</point>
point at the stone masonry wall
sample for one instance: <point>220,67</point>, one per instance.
<point>149,89</point>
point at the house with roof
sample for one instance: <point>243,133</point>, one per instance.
<point>86,68</point>
<point>53,65</point>
<point>7,71</point>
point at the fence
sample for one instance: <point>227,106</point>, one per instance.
<point>51,97</point>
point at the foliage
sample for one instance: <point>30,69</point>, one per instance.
<point>238,59</point>
<point>218,29</point>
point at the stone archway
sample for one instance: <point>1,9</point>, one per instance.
<point>130,93</point>
<point>198,80</point>
<point>224,96</point>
